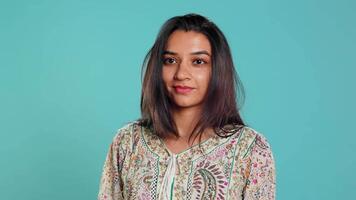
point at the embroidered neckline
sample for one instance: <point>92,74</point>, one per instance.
<point>202,144</point>
<point>157,146</point>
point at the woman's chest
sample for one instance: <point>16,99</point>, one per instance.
<point>216,175</point>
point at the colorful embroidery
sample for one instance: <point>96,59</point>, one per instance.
<point>240,166</point>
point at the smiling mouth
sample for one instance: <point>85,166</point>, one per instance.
<point>182,89</point>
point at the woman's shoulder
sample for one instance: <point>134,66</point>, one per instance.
<point>251,138</point>
<point>253,134</point>
<point>126,134</point>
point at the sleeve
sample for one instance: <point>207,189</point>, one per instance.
<point>261,175</point>
<point>110,183</point>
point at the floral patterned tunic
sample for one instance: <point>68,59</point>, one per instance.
<point>138,165</point>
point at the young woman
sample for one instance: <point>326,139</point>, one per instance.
<point>189,92</point>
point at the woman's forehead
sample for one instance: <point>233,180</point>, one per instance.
<point>188,42</point>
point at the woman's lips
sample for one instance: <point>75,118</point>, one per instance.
<point>182,89</point>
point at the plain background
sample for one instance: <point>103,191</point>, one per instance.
<point>70,77</point>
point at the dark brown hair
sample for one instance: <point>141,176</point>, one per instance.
<point>220,107</point>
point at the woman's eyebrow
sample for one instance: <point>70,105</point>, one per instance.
<point>193,53</point>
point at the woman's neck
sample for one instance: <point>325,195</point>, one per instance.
<point>186,119</point>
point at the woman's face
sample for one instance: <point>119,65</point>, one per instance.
<point>187,68</point>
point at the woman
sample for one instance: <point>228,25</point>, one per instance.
<point>188,92</point>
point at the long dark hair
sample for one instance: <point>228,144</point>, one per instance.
<point>220,107</point>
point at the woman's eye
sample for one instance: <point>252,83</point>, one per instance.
<point>169,60</point>
<point>200,61</point>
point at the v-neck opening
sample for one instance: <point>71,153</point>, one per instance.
<point>184,151</point>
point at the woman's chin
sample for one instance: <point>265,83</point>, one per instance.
<point>185,105</point>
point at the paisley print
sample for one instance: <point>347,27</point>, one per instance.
<point>235,164</point>
<point>209,182</point>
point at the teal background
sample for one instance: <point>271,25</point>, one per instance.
<point>70,76</point>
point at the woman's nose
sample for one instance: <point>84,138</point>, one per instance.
<point>182,71</point>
